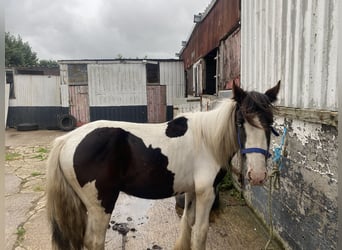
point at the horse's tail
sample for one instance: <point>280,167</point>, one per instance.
<point>66,212</point>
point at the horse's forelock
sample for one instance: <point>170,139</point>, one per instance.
<point>257,104</point>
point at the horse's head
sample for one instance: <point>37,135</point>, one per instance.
<point>254,118</point>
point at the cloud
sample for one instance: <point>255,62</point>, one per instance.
<point>85,29</point>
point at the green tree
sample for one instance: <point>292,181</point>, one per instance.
<point>18,53</point>
<point>48,63</point>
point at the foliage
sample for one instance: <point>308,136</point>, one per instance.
<point>11,156</point>
<point>41,153</point>
<point>48,63</point>
<point>36,173</point>
<point>18,53</point>
<point>20,234</point>
<point>227,182</point>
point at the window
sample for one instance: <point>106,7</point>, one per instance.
<point>10,81</point>
<point>152,73</point>
<point>78,74</point>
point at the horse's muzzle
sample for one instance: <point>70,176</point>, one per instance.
<point>256,178</point>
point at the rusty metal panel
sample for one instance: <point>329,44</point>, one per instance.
<point>117,84</point>
<point>229,60</point>
<point>156,103</point>
<point>79,104</point>
<point>172,75</point>
<point>222,17</point>
<point>36,90</point>
<point>295,41</point>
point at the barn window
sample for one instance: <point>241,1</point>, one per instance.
<point>78,74</point>
<point>152,73</point>
<point>10,81</point>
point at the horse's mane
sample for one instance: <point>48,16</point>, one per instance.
<point>217,130</point>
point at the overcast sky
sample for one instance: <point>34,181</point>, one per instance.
<point>89,29</point>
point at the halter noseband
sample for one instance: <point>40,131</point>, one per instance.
<point>254,150</point>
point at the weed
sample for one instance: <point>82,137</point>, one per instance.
<point>34,174</point>
<point>41,154</point>
<point>38,189</point>
<point>227,182</point>
<point>42,150</point>
<point>21,232</point>
<point>236,194</point>
<point>11,156</point>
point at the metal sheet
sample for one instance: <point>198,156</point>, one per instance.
<point>119,113</point>
<point>117,84</point>
<point>172,75</point>
<point>295,41</point>
<point>45,117</point>
<point>36,90</point>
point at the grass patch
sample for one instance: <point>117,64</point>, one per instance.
<point>227,182</point>
<point>38,189</point>
<point>42,150</point>
<point>20,232</point>
<point>236,194</point>
<point>41,154</point>
<point>34,174</point>
<point>11,156</point>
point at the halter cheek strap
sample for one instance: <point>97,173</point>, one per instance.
<point>255,150</point>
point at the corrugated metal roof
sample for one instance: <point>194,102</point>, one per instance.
<point>295,41</point>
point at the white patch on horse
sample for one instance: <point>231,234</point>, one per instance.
<point>256,162</point>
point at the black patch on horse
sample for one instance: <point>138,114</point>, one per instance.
<point>120,161</point>
<point>177,127</point>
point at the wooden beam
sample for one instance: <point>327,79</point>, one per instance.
<point>310,115</point>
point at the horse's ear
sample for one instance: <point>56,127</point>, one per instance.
<point>238,93</point>
<point>273,92</point>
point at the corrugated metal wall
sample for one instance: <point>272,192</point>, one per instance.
<point>36,90</point>
<point>172,75</point>
<point>117,84</point>
<point>37,100</point>
<point>295,41</point>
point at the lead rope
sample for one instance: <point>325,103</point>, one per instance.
<point>274,182</point>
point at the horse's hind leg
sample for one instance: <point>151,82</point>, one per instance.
<point>97,225</point>
<point>187,221</point>
<point>96,229</point>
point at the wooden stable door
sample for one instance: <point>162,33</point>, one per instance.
<point>79,103</point>
<point>156,103</point>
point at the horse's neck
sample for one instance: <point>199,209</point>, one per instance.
<point>219,132</point>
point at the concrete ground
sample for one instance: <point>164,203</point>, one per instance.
<point>150,224</point>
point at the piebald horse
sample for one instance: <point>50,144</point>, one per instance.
<point>91,165</point>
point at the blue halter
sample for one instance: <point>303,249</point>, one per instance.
<point>255,150</point>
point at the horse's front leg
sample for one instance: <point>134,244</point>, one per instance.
<point>187,221</point>
<point>204,200</point>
